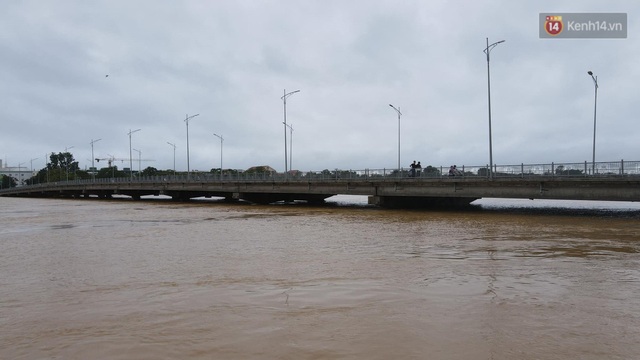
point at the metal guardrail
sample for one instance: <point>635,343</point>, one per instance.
<point>525,171</point>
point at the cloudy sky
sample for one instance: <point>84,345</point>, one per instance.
<point>231,61</point>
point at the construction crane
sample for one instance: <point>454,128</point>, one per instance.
<point>112,158</point>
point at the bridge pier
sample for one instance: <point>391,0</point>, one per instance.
<point>420,201</point>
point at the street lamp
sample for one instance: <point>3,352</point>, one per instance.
<point>32,168</point>
<point>186,120</point>
<point>20,173</point>
<point>284,100</point>
<point>595,104</point>
<point>93,166</point>
<point>174,157</point>
<point>487,50</point>
<point>290,145</point>
<point>32,165</point>
<point>399,114</point>
<point>221,140</point>
<point>47,165</point>
<point>130,155</point>
<point>139,159</point>
<point>113,168</point>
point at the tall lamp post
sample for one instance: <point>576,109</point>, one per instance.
<point>221,141</point>
<point>487,50</point>
<point>32,168</point>
<point>290,126</point>
<point>93,165</point>
<point>139,160</point>
<point>186,120</point>
<point>595,104</point>
<point>32,165</point>
<point>20,173</point>
<point>284,100</point>
<point>399,114</point>
<point>174,157</point>
<point>130,154</point>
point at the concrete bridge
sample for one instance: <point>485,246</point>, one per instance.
<point>387,188</point>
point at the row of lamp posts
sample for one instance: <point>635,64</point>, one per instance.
<point>487,50</point>
<point>288,162</point>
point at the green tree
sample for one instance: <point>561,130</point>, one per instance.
<point>110,172</point>
<point>56,174</point>
<point>62,166</point>
<point>431,171</point>
<point>82,174</point>
<point>150,171</point>
<point>7,182</point>
<point>41,177</point>
<point>560,170</point>
<point>64,161</point>
<point>216,171</point>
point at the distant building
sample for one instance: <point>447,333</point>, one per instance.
<point>21,173</point>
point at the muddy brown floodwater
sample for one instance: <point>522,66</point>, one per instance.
<point>93,279</point>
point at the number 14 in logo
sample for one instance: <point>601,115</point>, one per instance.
<point>553,25</point>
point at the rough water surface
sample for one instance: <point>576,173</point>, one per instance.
<point>96,279</point>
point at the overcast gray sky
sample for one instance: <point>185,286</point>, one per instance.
<point>230,62</point>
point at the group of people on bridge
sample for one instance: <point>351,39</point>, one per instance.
<point>453,171</point>
<point>415,169</point>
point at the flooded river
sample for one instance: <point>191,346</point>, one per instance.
<point>93,279</point>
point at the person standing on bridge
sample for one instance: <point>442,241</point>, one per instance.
<point>418,168</point>
<point>412,171</point>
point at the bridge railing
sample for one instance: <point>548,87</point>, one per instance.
<point>552,170</point>
<point>583,169</point>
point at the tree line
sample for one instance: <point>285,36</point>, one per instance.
<point>63,167</point>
